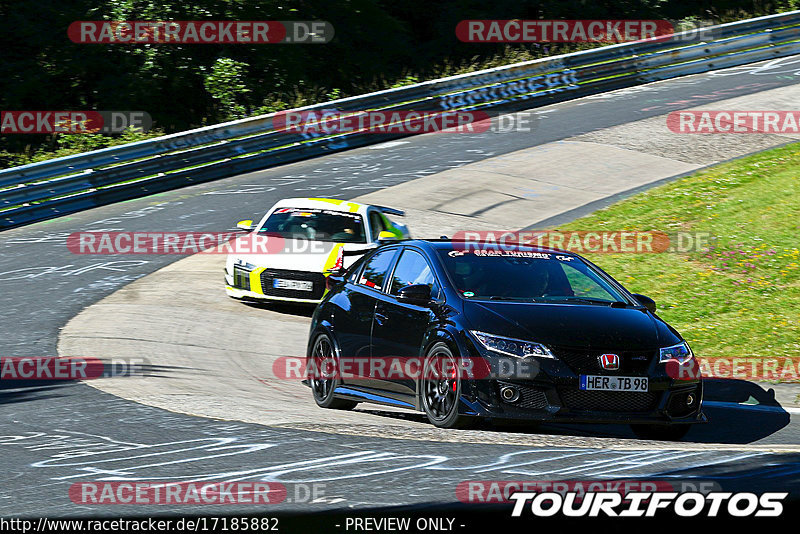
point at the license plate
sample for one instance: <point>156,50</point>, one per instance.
<point>297,285</point>
<point>613,383</point>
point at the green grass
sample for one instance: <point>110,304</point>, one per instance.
<point>740,296</point>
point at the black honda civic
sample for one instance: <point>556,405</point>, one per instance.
<point>463,332</point>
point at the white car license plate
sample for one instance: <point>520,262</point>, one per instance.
<point>297,285</point>
<point>613,383</point>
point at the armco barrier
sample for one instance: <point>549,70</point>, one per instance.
<point>52,188</point>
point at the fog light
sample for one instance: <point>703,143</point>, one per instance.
<point>690,400</point>
<point>509,394</point>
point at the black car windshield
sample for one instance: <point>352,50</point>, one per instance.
<point>527,276</point>
<point>315,224</point>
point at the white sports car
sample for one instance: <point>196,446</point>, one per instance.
<point>315,236</point>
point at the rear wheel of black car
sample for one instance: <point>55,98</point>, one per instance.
<point>323,377</point>
<point>440,389</point>
<point>660,432</point>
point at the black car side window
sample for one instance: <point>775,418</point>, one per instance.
<point>413,268</point>
<point>374,272</point>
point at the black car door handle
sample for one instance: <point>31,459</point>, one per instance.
<point>380,318</point>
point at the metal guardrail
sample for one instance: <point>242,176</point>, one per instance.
<point>55,187</point>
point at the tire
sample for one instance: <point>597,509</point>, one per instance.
<point>324,356</point>
<point>660,432</point>
<point>440,396</point>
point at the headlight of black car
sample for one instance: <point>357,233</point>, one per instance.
<point>680,352</point>
<point>512,347</point>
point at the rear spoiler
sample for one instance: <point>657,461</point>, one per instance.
<point>390,211</point>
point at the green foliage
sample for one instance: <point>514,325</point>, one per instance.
<point>407,79</point>
<point>378,44</point>
<point>226,82</point>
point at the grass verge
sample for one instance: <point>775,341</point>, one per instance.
<point>740,296</point>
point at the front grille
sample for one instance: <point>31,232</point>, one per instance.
<point>588,361</point>
<point>529,397</point>
<point>268,275</point>
<point>608,401</point>
<point>241,278</point>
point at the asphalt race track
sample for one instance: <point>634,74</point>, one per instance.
<point>58,434</point>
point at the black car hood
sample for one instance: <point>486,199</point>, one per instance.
<point>572,325</point>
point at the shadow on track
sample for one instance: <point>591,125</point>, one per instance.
<point>29,392</point>
<point>738,412</point>
<point>21,389</point>
<point>300,310</point>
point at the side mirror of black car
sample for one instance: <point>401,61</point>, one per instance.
<point>417,294</point>
<point>647,302</point>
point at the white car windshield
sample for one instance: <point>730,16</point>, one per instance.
<point>315,224</point>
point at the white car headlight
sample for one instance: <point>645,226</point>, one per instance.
<point>512,347</point>
<point>680,352</point>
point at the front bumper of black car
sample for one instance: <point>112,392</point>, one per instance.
<point>542,402</point>
<point>552,393</point>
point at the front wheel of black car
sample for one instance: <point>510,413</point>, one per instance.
<point>323,377</point>
<point>440,389</point>
<point>660,432</point>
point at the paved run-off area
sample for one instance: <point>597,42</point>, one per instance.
<point>211,356</point>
